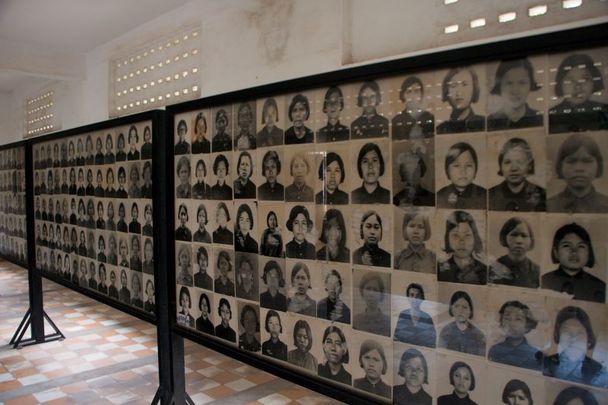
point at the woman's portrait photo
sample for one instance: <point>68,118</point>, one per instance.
<point>300,356</point>
<point>299,301</point>
<point>575,339</point>
<point>516,320</point>
<point>414,162</point>
<point>333,236</point>
<point>112,256</point>
<point>274,347</point>
<point>102,286</point>
<point>247,276</point>
<point>374,364</point>
<point>511,93</point>
<point>579,87</point>
<point>299,112</point>
<point>101,249</point>
<point>271,189</point>
<point>202,279</point>
<point>464,251</point>
<point>271,239</point>
<point>135,260</point>
<point>333,105</point>
<point>184,264</point>
<point>461,334</point>
<point>574,395</point>
<point>221,190</point>
<point>201,235</point>
<point>371,233</point>
<point>99,189</point>
<point>461,166</point>
<point>414,369</point>
<point>414,122</point>
<point>243,186</point>
<point>335,351</point>
<point>100,223</point>
<point>148,262</point>
<point>183,189</point>
<point>123,251</point>
<point>200,189</point>
<point>99,156</point>
<point>110,189</point>
<point>124,294</point>
<point>331,175</point>
<point>516,164</point>
<point>134,225</point>
<point>182,232</point>
<point>415,326</point>
<point>121,155</point>
<point>136,291</point>
<point>182,146</point>
<point>224,330</point>
<point>222,234</point>
<point>204,323</point>
<point>579,163</point>
<point>244,231</point>
<point>460,88</point>
<point>274,282</point>
<point>249,327</point>
<point>333,306</point>
<point>412,251</point>
<point>121,225</point>
<point>200,143</point>
<point>244,135</point>
<point>572,250</point>
<point>133,139</point>
<point>300,224</point>
<point>370,124</point>
<point>373,306</point>
<point>224,279</point>
<point>134,181</point>
<point>515,268</point>
<point>222,138</point>
<point>147,229</point>
<point>300,189</point>
<point>462,379</point>
<point>146,148</point>
<point>271,133</point>
<point>146,188</point>
<point>370,167</point>
<point>184,317</point>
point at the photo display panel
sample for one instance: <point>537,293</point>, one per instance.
<point>13,226</point>
<point>433,237</point>
<point>93,219</point>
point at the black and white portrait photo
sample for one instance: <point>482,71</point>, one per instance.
<point>222,138</point>
<point>224,274</point>
<point>411,239</point>
<point>373,361</point>
<point>272,189</point>
<point>271,133</point>
<point>299,300</point>
<point>461,334</point>
<point>244,188</point>
<point>414,369</point>
<point>300,171</point>
<point>578,82</point>
<point>334,306</point>
<point>371,167</point>
<point>333,236</point>
<point>273,278</point>
<point>299,115</point>
<point>414,121</point>
<point>370,124</point>
<point>460,89</point>
<point>415,326</point>
<point>514,87</point>
<point>200,140</point>
<point>333,105</point>
<point>414,169</point>
<point>300,224</point>
<point>372,306</point>
<point>332,176</point>
<point>244,132</point>
<point>371,234</point>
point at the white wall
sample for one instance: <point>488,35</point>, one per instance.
<point>246,43</point>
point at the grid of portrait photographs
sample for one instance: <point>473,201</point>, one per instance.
<point>433,237</point>
<point>13,226</point>
<point>93,212</point>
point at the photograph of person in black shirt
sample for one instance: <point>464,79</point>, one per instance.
<point>333,105</point>
<point>271,169</point>
<point>415,371</point>
<point>200,144</point>
<point>273,297</point>
<point>370,167</point>
<point>373,362</point>
<point>461,167</point>
<point>336,354</point>
<point>332,175</point>
<point>413,122</point>
<point>513,84</point>
<point>223,329</point>
<point>270,134</point>
<point>222,140</point>
<point>245,138</point>
<point>298,113</point>
<point>221,169</point>
<point>460,89</point>
<point>243,186</point>
<point>203,323</point>
<point>369,124</point>
<point>273,347</point>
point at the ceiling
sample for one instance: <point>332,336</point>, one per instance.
<point>32,30</point>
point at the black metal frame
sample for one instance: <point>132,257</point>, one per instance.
<point>35,315</point>
<point>169,344</point>
<point>555,42</point>
<point>18,144</point>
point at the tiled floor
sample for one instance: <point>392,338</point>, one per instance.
<point>110,358</point>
